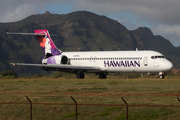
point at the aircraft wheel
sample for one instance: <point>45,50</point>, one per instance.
<point>102,76</point>
<point>80,76</point>
<point>162,76</point>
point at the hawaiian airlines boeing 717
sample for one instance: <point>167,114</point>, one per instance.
<point>99,62</point>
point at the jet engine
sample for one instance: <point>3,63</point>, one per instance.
<point>59,59</point>
<point>64,59</point>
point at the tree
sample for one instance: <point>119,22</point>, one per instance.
<point>8,73</point>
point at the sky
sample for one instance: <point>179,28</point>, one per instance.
<point>161,16</point>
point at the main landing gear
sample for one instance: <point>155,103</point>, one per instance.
<point>102,76</point>
<point>80,76</point>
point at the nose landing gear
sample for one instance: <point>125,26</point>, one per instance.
<point>161,74</point>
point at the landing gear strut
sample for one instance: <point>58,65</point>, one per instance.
<point>102,76</point>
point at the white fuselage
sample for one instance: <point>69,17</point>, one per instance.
<point>119,61</point>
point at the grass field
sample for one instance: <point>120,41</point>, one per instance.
<point>144,91</point>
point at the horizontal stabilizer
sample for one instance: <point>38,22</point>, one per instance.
<point>12,33</point>
<point>24,33</point>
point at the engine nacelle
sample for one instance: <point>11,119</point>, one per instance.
<point>64,60</point>
<point>59,59</point>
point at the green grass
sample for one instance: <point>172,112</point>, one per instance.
<point>145,91</point>
<point>72,114</point>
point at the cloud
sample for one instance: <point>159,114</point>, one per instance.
<point>14,10</point>
<point>17,13</point>
<point>156,10</point>
<point>170,32</point>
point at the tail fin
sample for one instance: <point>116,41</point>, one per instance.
<point>46,43</point>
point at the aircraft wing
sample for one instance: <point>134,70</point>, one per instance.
<point>59,66</point>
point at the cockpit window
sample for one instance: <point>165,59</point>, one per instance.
<point>155,57</point>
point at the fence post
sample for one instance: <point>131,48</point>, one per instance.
<point>126,108</point>
<point>30,107</point>
<point>178,99</point>
<point>76,105</point>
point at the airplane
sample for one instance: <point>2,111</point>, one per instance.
<point>99,62</point>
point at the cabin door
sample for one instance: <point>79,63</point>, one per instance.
<point>145,61</point>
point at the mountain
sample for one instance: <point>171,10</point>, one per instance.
<point>77,31</point>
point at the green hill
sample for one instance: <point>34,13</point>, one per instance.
<point>77,31</point>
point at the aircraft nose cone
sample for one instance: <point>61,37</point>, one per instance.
<point>166,65</point>
<point>169,65</point>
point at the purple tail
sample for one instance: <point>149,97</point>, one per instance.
<point>47,44</point>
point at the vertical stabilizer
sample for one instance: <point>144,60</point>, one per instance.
<point>46,43</point>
